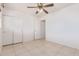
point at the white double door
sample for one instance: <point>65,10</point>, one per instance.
<point>11,38</point>
<point>16,30</point>
<point>11,32</point>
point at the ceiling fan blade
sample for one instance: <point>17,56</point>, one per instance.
<point>3,5</point>
<point>49,5</point>
<point>0,10</point>
<point>31,7</point>
<point>37,12</point>
<point>45,11</point>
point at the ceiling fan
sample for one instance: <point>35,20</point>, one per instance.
<point>41,7</point>
<point>2,6</point>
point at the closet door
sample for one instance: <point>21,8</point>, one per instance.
<point>12,30</point>
<point>17,37</point>
<point>7,32</point>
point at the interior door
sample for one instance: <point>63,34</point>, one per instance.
<point>7,32</point>
<point>43,29</point>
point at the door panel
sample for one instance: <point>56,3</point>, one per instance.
<point>7,38</point>
<point>17,37</point>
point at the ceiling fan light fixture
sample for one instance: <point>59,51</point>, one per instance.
<point>41,7</point>
<point>40,10</point>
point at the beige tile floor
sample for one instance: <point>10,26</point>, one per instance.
<point>39,48</point>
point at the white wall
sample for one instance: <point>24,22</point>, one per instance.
<point>19,24</point>
<point>0,30</point>
<point>63,26</point>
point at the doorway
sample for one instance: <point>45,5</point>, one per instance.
<point>43,26</point>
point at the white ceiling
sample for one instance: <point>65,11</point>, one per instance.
<point>22,7</point>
